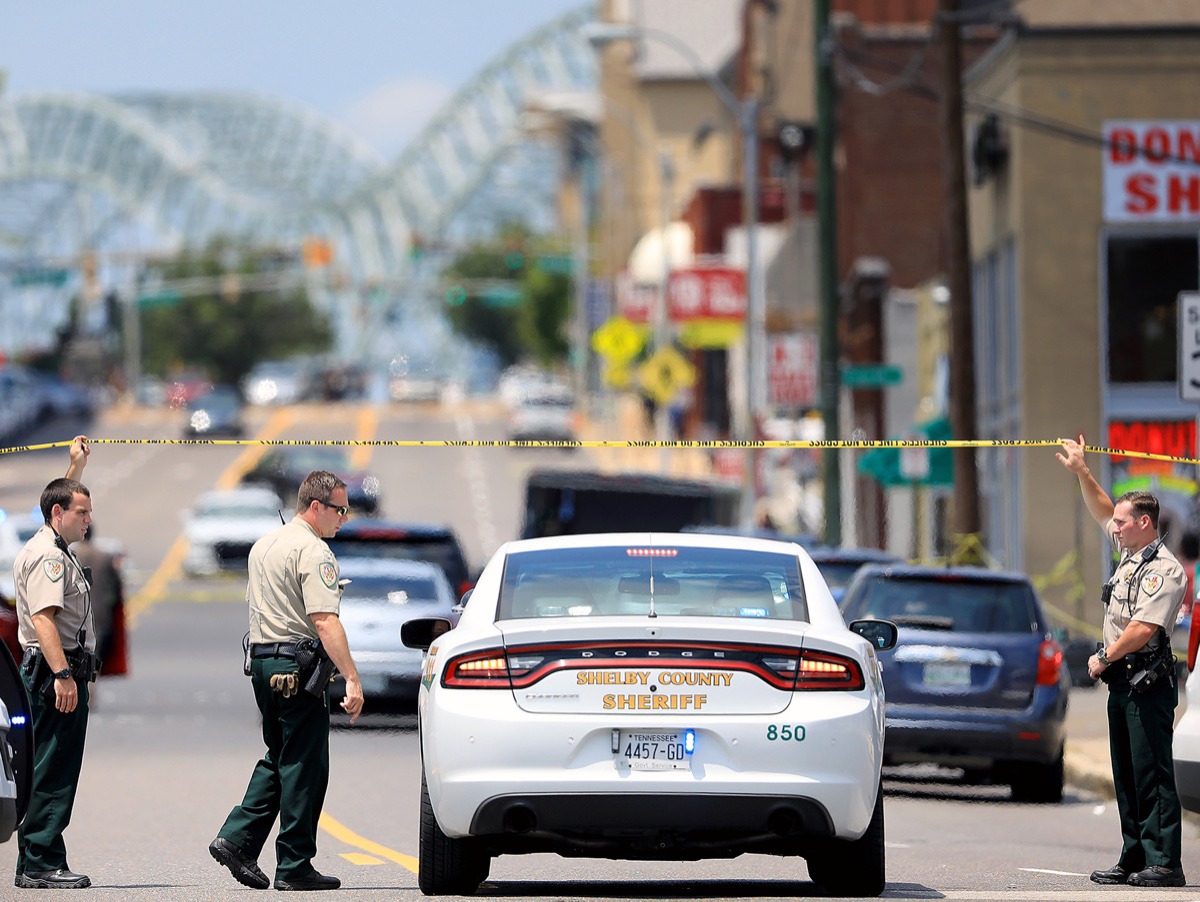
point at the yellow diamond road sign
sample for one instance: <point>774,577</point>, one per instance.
<point>618,340</point>
<point>665,374</point>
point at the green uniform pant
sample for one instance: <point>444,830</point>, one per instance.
<point>1139,736</point>
<point>290,781</point>
<point>57,759</point>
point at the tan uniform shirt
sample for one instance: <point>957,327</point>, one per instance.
<point>46,576</point>
<point>1150,591</point>
<point>292,574</point>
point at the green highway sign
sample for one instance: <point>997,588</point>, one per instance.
<point>41,276</point>
<point>875,375</point>
<point>166,298</point>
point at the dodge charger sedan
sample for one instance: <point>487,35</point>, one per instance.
<point>651,696</point>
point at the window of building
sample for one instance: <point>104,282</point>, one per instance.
<point>1144,276</point>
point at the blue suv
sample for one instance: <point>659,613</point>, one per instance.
<point>975,681</point>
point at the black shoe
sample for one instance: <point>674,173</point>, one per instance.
<point>309,881</point>
<point>245,869</point>
<point>58,879</point>
<point>1115,874</point>
<point>1156,875</point>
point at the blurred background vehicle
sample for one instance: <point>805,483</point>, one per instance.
<point>341,382</point>
<point>839,565</point>
<point>57,398</point>
<point>1186,745</point>
<point>382,595</point>
<point>277,382</point>
<point>573,502</point>
<point>395,541</point>
<point>417,388</point>
<point>283,469</point>
<point>185,387</point>
<point>222,525</point>
<point>216,412</point>
<point>975,681</point>
<point>547,414</point>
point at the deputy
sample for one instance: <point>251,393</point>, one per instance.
<point>1141,601</point>
<point>294,595</point>
<point>56,630</point>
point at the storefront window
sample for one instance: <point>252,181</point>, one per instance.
<point>1145,275</point>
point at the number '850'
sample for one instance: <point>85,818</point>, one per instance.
<point>786,733</point>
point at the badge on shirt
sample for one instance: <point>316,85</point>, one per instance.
<point>54,570</point>
<point>1151,583</point>
<point>328,574</point>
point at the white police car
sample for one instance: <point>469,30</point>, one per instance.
<point>651,696</point>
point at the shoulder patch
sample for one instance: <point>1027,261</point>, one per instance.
<point>1151,583</point>
<point>328,574</point>
<point>53,569</point>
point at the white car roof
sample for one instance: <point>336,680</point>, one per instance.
<point>247,494</point>
<point>365,567</point>
<point>655,539</point>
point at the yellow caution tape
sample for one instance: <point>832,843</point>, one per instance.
<point>756,445</point>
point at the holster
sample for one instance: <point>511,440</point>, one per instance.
<point>315,667</point>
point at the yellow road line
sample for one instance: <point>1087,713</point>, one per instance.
<point>343,833</point>
<point>367,422</point>
<point>361,858</point>
<point>168,571</point>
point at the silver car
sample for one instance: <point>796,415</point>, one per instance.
<point>379,598</point>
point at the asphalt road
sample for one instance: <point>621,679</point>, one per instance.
<point>171,746</point>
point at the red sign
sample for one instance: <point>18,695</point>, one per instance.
<point>711,293</point>
<point>792,370</point>
<point>1150,171</point>
<point>1175,438</point>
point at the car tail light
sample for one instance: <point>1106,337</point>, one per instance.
<point>1050,657</point>
<point>822,670</point>
<point>488,669</point>
<point>464,587</point>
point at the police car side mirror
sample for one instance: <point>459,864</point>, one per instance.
<point>421,632</point>
<point>882,634</point>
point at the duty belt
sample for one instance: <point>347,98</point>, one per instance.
<point>273,650</point>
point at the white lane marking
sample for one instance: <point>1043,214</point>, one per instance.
<point>1055,873</point>
<point>473,464</point>
<point>897,845</point>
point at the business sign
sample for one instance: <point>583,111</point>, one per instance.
<point>1189,346</point>
<point>792,374</point>
<point>1152,170</point>
<point>1174,438</point>
<point>696,294</point>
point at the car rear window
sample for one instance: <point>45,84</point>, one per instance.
<point>965,606</point>
<point>413,589</point>
<point>687,581</point>
<point>443,551</point>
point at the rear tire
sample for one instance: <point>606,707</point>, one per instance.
<point>1041,783</point>
<point>446,866</point>
<point>854,867</point>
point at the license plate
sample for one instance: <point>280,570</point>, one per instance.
<point>660,750</point>
<point>947,675</point>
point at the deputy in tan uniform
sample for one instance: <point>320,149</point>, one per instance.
<point>293,595</point>
<point>56,630</point>
<point>1141,600</point>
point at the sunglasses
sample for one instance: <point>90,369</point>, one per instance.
<point>340,508</point>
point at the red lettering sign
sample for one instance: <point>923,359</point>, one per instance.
<point>1174,438</point>
<point>706,293</point>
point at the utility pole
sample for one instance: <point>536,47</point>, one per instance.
<point>963,421</point>
<point>831,382</point>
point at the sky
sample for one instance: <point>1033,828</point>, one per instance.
<point>382,68</point>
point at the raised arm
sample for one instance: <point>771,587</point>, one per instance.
<point>1098,503</point>
<point>79,454</point>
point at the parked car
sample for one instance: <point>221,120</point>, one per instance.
<point>341,382</point>
<point>216,412</point>
<point>976,681</point>
<point>391,540</point>
<point>839,565</point>
<point>223,525</point>
<point>547,415</point>
<point>277,382</point>
<point>57,398</point>
<point>184,388</point>
<point>16,746</point>
<point>663,696</point>
<point>380,598</point>
<point>283,469</point>
<point>1187,732</point>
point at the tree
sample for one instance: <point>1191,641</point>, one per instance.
<point>498,294</point>
<point>227,330</point>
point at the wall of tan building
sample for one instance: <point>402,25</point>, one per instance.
<point>1050,201</point>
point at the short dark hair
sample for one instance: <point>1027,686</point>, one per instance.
<point>1144,505</point>
<point>319,485</point>
<point>61,491</point>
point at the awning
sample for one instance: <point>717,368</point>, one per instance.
<point>883,464</point>
<point>646,263</point>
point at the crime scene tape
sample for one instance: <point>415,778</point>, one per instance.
<point>753,445</point>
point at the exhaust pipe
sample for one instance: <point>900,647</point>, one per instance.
<point>519,819</point>
<point>782,821</point>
